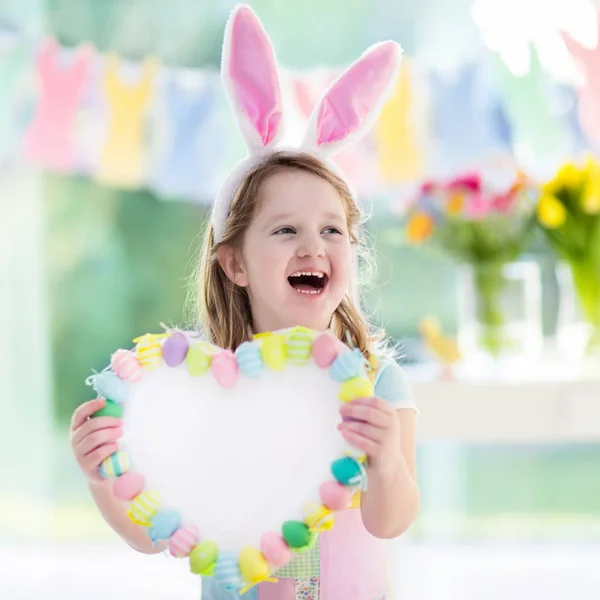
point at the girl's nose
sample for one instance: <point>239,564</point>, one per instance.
<point>311,246</point>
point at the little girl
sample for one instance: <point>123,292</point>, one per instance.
<point>281,250</point>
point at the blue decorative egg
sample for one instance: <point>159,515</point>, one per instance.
<point>164,524</point>
<point>249,360</point>
<point>348,365</point>
<point>111,387</point>
<point>227,572</point>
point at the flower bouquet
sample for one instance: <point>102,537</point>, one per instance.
<point>569,215</point>
<point>482,227</point>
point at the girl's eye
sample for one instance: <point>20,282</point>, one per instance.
<point>331,230</point>
<point>284,231</point>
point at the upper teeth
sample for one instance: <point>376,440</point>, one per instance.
<point>314,274</point>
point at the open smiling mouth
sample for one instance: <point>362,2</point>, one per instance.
<point>310,283</point>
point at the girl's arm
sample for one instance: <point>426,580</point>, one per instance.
<point>114,513</point>
<point>391,502</point>
<point>93,440</point>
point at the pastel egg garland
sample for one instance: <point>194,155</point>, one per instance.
<point>127,366</point>
<point>183,541</point>
<point>177,349</point>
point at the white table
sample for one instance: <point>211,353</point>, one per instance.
<point>545,403</point>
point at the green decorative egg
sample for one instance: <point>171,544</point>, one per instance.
<point>110,409</point>
<point>296,534</point>
<point>299,345</point>
<point>198,359</point>
<point>203,558</point>
<point>347,471</point>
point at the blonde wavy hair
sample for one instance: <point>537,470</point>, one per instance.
<point>222,309</point>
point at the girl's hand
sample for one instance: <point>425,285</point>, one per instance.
<point>372,425</point>
<point>93,440</point>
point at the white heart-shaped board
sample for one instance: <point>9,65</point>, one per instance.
<point>234,460</point>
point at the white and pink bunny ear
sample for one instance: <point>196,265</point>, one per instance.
<point>249,73</point>
<point>352,104</point>
<point>251,80</point>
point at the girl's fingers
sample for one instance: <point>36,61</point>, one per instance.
<point>364,429</point>
<point>97,439</point>
<point>85,411</point>
<point>359,441</point>
<point>92,425</point>
<point>367,413</point>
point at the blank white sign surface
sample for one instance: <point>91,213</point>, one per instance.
<point>236,462</point>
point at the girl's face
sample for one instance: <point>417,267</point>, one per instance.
<point>296,257</point>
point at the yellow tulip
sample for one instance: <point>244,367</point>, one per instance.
<point>569,175</point>
<point>551,211</point>
<point>590,165</point>
<point>419,228</point>
<point>590,199</point>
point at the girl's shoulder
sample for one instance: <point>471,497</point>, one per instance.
<point>392,384</point>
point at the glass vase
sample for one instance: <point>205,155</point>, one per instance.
<point>499,308</point>
<point>578,322</point>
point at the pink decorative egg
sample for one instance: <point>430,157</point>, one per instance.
<point>128,486</point>
<point>126,365</point>
<point>175,349</point>
<point>276,552</point>
<point>325,350</point>
<point>335,496</point>
<point>225,368</point>
<point>183,541</point>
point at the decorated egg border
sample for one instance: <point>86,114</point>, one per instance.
<point>266,351</point>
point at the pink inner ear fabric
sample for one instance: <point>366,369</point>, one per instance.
<point>348,104</point>
<point>253,72</point>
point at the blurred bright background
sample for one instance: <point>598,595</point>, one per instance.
<point>114,136</point>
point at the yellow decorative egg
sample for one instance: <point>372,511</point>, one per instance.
<point>148,350</point>
<point>143,508</point>
<point>356,388</point>
<point>273,351</point>
<point>253,566</point>
<point>318,518</point>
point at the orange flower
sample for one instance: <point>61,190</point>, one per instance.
<point>455,203</point>
<point>419,228</point>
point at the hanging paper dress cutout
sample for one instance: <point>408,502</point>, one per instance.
<point>568,102</point>
<point>355,161</point>
<point>589,91</point>
<point>464,133</point>
<point>14,58</point>
<point>122,160</point>
<point>539,135</point>
<point>191,167</point>
<point>396,133</point>
<point>50,140</point>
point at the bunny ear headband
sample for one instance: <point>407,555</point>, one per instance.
<point>346,112</point>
